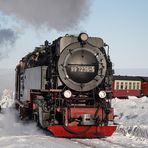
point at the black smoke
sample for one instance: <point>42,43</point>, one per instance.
<point>7,36</point>
<point>55,14</point>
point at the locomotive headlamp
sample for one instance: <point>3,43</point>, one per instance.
<point>102,94</point>
<point>67,94</point>
<point>83,37</point>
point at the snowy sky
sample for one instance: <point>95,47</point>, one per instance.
<point>121,23</point>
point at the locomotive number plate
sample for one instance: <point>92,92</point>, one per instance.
<point>87,69</point>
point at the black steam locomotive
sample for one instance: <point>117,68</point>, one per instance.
<point>66,87</point>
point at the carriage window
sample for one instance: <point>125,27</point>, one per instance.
<point>121,85</point>
<point>125,85</point>
<point>138,85</point>
<point>117,85</point>
<point>130,85</point>
<point>134,86</point>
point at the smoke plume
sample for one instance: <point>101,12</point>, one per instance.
<point>7,36</point>
<point>56,14</point>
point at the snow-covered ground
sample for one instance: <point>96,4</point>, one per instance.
<point>132,129</point>
<point>132,116</point>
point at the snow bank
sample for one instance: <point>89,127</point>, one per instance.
<point>132,116</point>
<point>131,111</point>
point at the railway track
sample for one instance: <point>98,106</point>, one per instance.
<point>103,143</point>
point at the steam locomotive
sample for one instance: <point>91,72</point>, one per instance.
<point>66,87</point>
